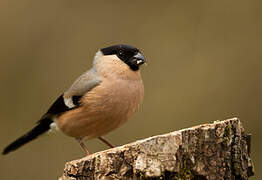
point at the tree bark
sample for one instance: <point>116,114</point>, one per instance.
<point>220,150</point>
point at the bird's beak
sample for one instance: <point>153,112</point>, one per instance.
<point>139,58</point>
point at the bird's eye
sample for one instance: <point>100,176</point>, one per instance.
<point>120,52</point>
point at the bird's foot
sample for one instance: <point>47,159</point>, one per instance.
<point>83,146</point>
<point>106,142</point>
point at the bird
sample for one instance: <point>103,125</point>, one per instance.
<point>99,101</point>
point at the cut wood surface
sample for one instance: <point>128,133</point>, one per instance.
<point>220,150</point>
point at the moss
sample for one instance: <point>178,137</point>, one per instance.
<point>140,175</point>
<point>227,133</point>
<point>184,174</point>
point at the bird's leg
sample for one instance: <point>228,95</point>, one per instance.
<point>82,144</point>
<point>106,142</point>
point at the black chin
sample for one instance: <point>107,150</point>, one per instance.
<point>132,63</point>
<point>134,67</point>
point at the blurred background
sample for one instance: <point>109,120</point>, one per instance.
<point>204,64</point>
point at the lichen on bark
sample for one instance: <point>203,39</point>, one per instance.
<point>220,150</point>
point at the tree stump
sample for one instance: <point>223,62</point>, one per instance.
<point>220,150</point>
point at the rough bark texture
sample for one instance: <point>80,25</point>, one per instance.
<point>220,150</point>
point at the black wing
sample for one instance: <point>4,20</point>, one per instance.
<point>59,105</point>
<point>43,125</point>
<point>83,84</point>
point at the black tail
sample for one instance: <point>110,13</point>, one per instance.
<point>42,126</point>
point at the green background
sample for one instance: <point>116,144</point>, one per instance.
<point>204,64</point>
